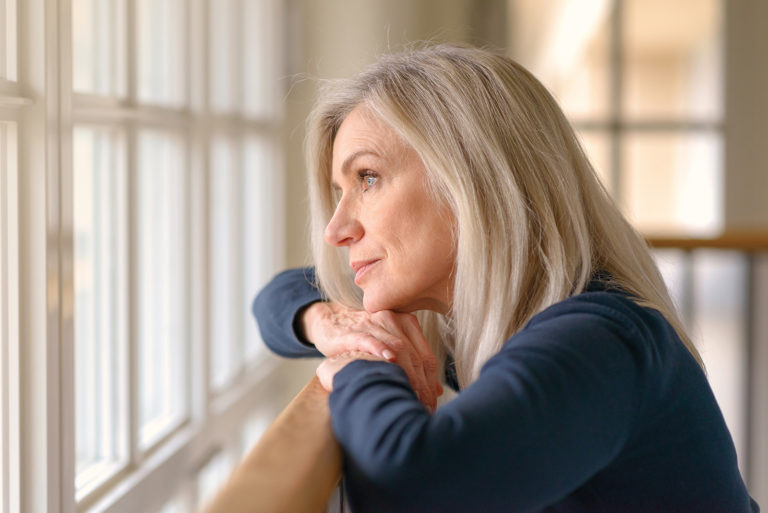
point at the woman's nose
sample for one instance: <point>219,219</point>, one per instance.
<point>344,228</point>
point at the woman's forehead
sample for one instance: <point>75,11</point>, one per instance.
<point>364,135</point>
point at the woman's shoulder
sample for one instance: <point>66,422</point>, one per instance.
<point>602,321</point>
<point>605,306</point>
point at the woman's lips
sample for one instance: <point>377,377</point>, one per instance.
<point>361,267</point>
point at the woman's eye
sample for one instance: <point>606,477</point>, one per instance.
<point>368,179</point>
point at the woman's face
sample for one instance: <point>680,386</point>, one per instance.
<point>399,238</point>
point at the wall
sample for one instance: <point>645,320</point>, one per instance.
<point>337,38</point>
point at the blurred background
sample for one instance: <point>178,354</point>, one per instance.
<point>152,180</point>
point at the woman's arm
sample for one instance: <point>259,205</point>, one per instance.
<point>294,322</point>
<point>278,308</point>
<point>546,413</point>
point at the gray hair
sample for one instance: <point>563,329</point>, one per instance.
<point>534,223</point>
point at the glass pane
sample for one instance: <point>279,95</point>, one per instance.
<point>224,46</point>
<point>254,427</point>
<point>178,504</point>
<point>100,235</point>
<point>672,265</point>
<point>162,290</point>
<point>98,46</point>
<point>226,282</point>
<point>212,476</point>
<point>672,182</point>
<point>566,45</point>
<point>8,40</point>
<point>162,69</point>
<point>262,229</point>
<point>673,69</point>
<point>597,146</point>
<point>262,48</point>
<point>720,301</point>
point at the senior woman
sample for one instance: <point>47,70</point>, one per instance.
<point>460,235</point>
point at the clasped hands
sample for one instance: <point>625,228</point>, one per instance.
<point>343,335</point>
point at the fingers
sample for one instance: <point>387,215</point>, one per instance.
<point>340,330</point>
<point>427,356</point>
<point>395,337</point>
<point>413,354</point>
<point>330,366</point>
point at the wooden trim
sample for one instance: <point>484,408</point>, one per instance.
<point>294,468</point>
<point>744,241</point>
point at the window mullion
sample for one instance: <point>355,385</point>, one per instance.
<point>132,338</point>
<point>66,262</point>
<point>9,310</point>
<point>614,106</point>
<point>3,39</point>
<point>132,335</point>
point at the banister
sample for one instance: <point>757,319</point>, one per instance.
<point>295,466</point>
<point>736,240</point>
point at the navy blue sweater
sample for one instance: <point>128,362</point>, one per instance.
<point>595,406</point>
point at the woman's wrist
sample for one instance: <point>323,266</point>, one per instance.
<point>307,319</point>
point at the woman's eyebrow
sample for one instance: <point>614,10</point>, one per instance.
<point>347,164</point>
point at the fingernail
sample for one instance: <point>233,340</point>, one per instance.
<point>388,354</point>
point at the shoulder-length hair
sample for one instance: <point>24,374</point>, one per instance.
<point>533,222</point>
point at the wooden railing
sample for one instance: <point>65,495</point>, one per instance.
<point>741,241</point>
<point>294,468</point>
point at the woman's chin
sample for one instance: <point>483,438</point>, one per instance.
<point>373,302</point>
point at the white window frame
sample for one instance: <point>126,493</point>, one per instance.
<point>46,116</point>
<point>9,308</point>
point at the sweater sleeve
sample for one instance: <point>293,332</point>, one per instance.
<point>276,308</point>
<point>545,414</point>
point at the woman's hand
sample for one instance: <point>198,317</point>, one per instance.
<point>396,337</point>
<point>330,366</point>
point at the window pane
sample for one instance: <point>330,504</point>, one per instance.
<point>226,309</point>
<point>672,182</point>
<point>262,49</point>
<point>8,40</point>
<point>161,56</point>
<point>720,282</point>
<point>100,305</point>
<point>262,229</point>
<point>178,504</point>
<point>597,146</point>
<point>212,476</point>
<point>254,427</point>
<point>162,291</point>
<point>566,45</point>
<point>98,46</point>
<point>672,69</point>
<point>672,265</point>
<point>224,46</point>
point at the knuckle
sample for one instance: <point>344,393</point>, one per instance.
<point>397,344</point>
<point>430,363</point>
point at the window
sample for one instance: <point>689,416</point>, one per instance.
<point>10,101</point>
<point>8,40</point>
<point>100,269</point>
<point>8,319</point>
<point>644,92</point>
<point>643,83</point>
<point>174,173</point>
<point>162,289</point>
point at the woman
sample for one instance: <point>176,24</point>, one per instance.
<point>446,183</point>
